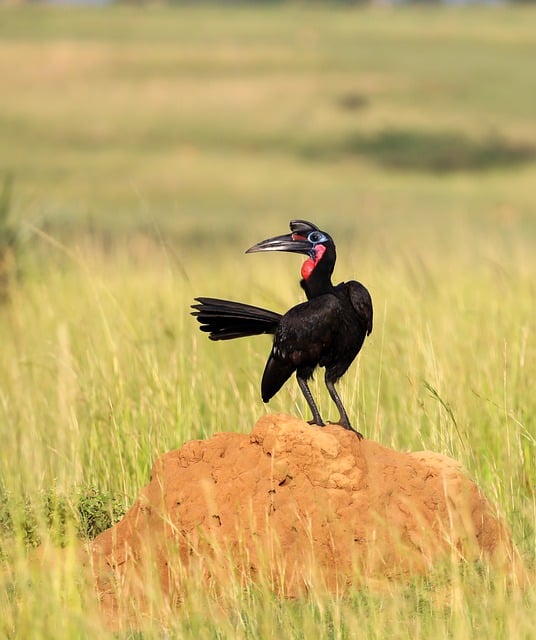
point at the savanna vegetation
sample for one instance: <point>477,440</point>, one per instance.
<point>142,151</point>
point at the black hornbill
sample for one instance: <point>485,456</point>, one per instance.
<point>327,330</point>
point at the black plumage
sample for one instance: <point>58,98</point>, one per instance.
<point>327,330</point>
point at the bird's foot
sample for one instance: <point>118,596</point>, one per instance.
<point>348,426</point>
<point>316,423</point>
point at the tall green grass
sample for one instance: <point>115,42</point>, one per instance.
<point>149,149</point>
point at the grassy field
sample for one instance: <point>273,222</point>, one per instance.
<point>148,148</point>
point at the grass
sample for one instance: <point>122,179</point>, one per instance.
<point>148,149</point>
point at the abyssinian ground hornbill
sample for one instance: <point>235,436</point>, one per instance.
<point>327,330</point>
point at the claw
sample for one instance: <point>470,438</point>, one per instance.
<point>348,427</point>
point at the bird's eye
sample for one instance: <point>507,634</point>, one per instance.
<point>316,236</point>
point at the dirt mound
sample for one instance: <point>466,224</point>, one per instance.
<point>294,505</point>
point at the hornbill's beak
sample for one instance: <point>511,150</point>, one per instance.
<point>292,242</point>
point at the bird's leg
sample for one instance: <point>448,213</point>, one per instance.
<point>317,418</point>
<point>344,420</point>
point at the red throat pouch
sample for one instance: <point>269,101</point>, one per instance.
<point>309,265</point>
<point>307,268</point>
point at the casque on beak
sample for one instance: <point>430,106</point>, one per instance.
<point>291,242</point>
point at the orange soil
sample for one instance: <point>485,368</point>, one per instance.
<point>293,506</point>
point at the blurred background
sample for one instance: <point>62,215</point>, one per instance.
<point>218,122</point>
<point>144,147</point>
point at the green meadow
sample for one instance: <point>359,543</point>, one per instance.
<point>142,151</point>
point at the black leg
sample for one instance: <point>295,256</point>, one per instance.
<point>317,418</point>
<point>344,420</point>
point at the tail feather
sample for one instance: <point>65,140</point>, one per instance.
<point>225,319</point>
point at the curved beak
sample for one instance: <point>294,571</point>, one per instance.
<point>291,242</point>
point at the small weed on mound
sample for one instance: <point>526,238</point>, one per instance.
<point>97,512</point>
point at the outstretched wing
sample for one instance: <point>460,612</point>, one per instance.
<point>226,319</point>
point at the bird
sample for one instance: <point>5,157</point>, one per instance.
<point>327,330</point>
